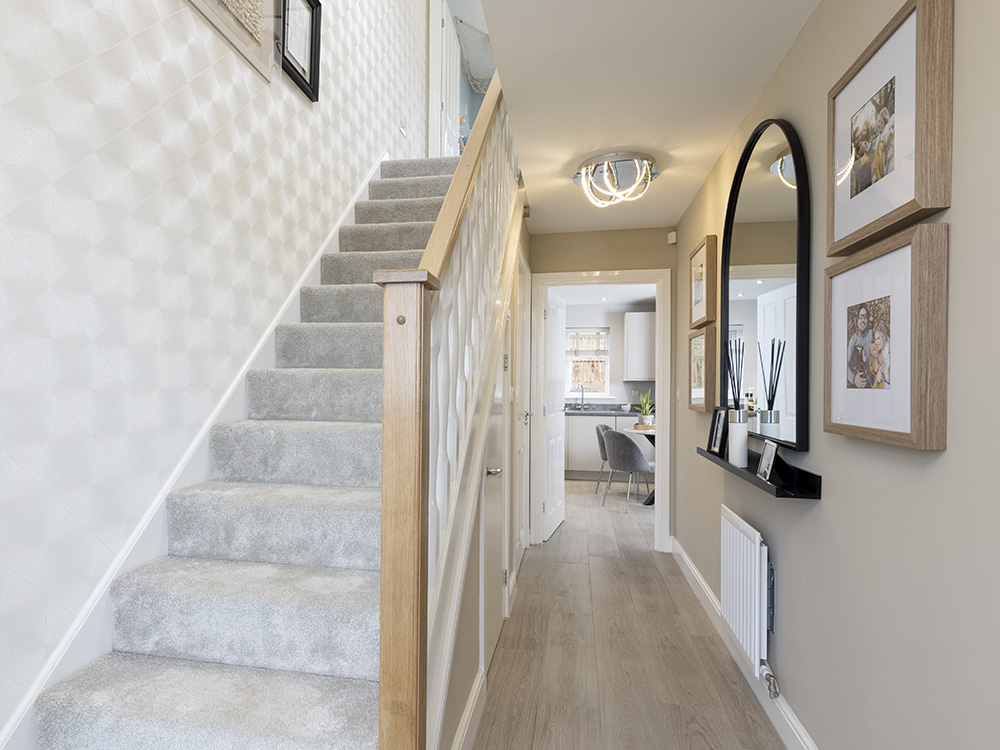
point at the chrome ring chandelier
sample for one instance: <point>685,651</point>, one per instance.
<point>614,178</point>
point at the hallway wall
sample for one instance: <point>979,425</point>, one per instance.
<point>886,617</point>
<point>159,201</point>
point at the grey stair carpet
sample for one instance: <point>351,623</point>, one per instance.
<point>260,630</point>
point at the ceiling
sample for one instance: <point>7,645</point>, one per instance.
<point>672,78</point>
<point>606,295</point>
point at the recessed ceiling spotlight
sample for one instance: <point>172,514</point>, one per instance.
<point>604,299</point>
<point>759,281</point>
<point>739,294</point>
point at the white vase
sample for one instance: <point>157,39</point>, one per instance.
<point>645,419</point>
<point>738,427</point>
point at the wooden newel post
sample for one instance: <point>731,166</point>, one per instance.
<point>405,424</point>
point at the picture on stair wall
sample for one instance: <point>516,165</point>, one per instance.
<point>890,123</point>
<point>887,341</point>
<point>250,26</point>
<point>301,32</point>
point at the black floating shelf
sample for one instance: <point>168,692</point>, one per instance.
<point>791,481</point>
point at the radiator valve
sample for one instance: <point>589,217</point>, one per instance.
<point>770,679</point>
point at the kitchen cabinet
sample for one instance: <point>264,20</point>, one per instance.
<point>640,346</point>
<point>582,452</point>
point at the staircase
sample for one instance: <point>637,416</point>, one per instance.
<point>260,631</point>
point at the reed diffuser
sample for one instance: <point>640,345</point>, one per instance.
<point>770,415</point>
<point>738,425</point>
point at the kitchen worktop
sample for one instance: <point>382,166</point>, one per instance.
<point>599,413</point>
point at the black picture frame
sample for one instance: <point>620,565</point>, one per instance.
<point>767,458</point>
<point>718,435</point>
<point>304,73</point>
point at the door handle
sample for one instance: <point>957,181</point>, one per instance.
<point>493,472</point>
<point>526,415</point>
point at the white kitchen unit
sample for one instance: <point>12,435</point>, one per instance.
<point>583,457</point>
<point>640,346</point>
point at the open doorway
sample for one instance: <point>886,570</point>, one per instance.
<point>585,369</point>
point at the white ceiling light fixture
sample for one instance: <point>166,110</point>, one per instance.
<point>617,177</point>
<point>784,169</point>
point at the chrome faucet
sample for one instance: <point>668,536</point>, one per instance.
<point>580,386</point>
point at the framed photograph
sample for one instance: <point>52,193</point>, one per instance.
<point>701,360</point>
<point>250,26</point>
<point>887,341</point>
<point>767,460</point>
<point>702,262</point>
<point>889,123</point>
<point>300,44</point>
<point>719,431</point>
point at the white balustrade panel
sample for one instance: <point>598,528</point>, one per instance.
<point>463,315</point>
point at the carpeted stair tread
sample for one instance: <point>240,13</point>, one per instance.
<point>398,209</point>
<point>279,523</point>
<point>135,702</point>
<point>341,303</point>
<point>315,394</point>
<point>409,187</point>
<point>350,345</point>
<point>340,454</point>
<point>368,238</point>
<point>319,620</point>
<point>439,165</point>
<point>358,268</point>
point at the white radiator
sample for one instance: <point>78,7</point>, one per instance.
<point>745,586</point>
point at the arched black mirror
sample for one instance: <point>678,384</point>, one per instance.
<point>764,284</point>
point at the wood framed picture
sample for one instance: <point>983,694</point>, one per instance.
<point>703,260</point>
<point>889,130</point>
<point>701,360</point>
<point>767,460</point>
<point>887,341</point>
<point>248,25</point>
<point>301,31</point>
<point>719,431</point>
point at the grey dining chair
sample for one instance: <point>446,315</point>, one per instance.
<point>601,429</point>
<point>624,454</point>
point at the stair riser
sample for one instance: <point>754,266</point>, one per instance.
<point>409,187</point>
<point>315,395</point>
<point>441,165</point>
<point>329,345</point>
<point>297,453</point>
<point>386,211</point>
<point>317,534</point>
<point>347,303</point>
<point>377,238</point>
<point>308,623</point>
<point>358,268</point>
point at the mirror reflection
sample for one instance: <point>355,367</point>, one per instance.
<point>762,287</point>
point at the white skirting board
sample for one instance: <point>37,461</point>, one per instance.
<point>786,723</point>
<point>467,727</point>
<point>90,635</point>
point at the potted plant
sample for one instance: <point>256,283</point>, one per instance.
<point>646,407</point>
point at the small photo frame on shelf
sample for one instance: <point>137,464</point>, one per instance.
<point>766,464</point>
<point>887,341</point>
<point>719,432</point>
<point>701,361</point>
<point>889,130</point>
<point>702,261</point>
<point>301,31</point>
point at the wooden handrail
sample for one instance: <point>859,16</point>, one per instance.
<point>456,201</point>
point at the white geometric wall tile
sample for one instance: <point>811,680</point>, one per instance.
<point>158,200</point>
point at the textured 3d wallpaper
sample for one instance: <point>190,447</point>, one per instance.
<point>158,202</point>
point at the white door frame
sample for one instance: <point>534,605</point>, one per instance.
<point>664,403</point>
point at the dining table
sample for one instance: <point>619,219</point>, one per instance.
<point>650,435</point>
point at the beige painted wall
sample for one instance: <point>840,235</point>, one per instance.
<point>887,617</point>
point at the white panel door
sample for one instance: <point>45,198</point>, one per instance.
<point>554,419</point>
<point>494,517</point>
<point>521,421</point>
<point>776,319</point>
<point>451,80</point>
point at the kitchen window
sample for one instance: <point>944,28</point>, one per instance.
<point>587,361</point>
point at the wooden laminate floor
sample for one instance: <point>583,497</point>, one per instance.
<point>608,647</point>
